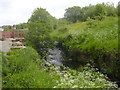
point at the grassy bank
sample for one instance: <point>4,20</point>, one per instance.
<point>92,41</point>
<point>88,42</point>
<point>24,69</point>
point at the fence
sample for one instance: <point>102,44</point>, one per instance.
<point>12,34</point>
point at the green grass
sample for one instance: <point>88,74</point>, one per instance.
<point>77,26</point>
<point>23,69</point>
<point>104,35</point>
<point>98,40</point>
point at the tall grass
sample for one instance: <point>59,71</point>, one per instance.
<point>23,69</point>
<point>99,43</point>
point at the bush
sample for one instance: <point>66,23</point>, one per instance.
<point>38,37</point>
<point>92,23</point>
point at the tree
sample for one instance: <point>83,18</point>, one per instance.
<point>21,26</point>
<point>8,28</point>
<point>39,25</point>
<point>40,15</point>
<point>88,11</point>
<point>73,14</point>
<point>110,9</point>
<point>100,10</point>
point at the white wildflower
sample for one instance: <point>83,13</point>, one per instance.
<point>75,86</point>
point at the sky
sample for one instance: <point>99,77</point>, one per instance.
<point>19,11</point>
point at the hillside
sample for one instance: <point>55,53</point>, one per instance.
<point>104,34</point>
<point>101,34</point>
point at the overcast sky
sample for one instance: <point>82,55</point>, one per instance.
<point>19,11</point>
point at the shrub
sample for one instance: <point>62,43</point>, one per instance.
<point>92,23</point>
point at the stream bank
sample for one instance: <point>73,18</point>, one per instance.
<point>59,56</point>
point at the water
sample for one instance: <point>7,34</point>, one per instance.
<point>55,56</point>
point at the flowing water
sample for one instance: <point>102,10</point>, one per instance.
<point>55,56</point>
<point>58,57</point>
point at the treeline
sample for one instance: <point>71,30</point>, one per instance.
<point>99,11</point>
<point>72,14</point>
<point>21,26</point>
<point>16,27</point>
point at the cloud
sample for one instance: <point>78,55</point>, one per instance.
<point>18,11</point>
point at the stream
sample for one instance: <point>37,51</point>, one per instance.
<point>57,56</point>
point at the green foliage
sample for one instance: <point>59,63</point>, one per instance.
<point>85,77</point>
<point>21,26</point>
<point>92,23</point>
<point>62,21</point>
<point>38,37</point>
<point>27,73</point>
<point>73,14</point>
<point>89,11</point>
<point>96,42</point>
<point>40,24</point>
<point>100,10</point>
<point>17,62</point>
<point>39,27</point>
<point>29,79</point>
<point>23,69</point>
<point>8,28</point>
<point>77,13</point>
<point>63,30</point>
<point>110,10</point>
<point>41,16</point>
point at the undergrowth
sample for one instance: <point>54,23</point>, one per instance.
<point>23,69</point>
<point>98,42</point>
<point>85,77</point>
